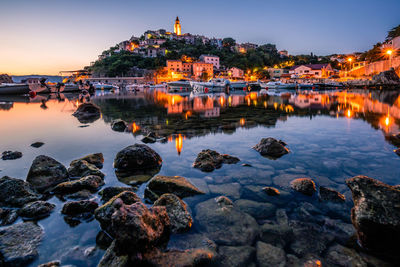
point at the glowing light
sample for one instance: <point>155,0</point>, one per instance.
<point>242,122</point>
<point>179,143</point>
<point>135,127</point>
<point>389,52</point>
<point>255,102</point>
<point>350,59</point>
<point>348,113</point>
<point>230,100</point>
<point>188,114</point>
<point>387,121</point>
<point>275,105</point>
<point>265,104</point>
<point>222,101</point>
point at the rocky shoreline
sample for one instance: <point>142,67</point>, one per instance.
<point>293,222</point>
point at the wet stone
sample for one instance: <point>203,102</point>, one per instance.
<point>78,207</point>
<point>278,235</point>
<point>271,191</point>
<point>16,192</point>
<point>109,192</point>
<point>327,194</point>
<point>229,190</point>
<point>271,147</point>
<point>50,264</point>
<point>37,209</point>
<point>258,210</point>
<point>268,255</point>
<point>10,155</point>
<point>91,183</point>
<point>96,159</point>
<point>119,125</point>
<point>82,168</point>
<point>37,144</point>
<point>87,113</point>
<point>8,216</point>
<point>305,186</point>
<point>344,257</point>
<point>209,160</point>
<point>236,256</point>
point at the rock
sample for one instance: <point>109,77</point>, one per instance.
<point>271,147</point>
<point>338,255</point>
<point>178,214</point>
<point>271,191</point>
<point>138,228</point>
<point>268,255</point>
<point>16,192</point>
<point>78,207</point>
<point>376,215</point>
<point>10,155</point>
<point>82,168</point>
<point>225,224</point>
<point>278,235</point>
<point>397,151</point>
<point>103,213</point>
<point>37,144</point>
<point>236,256</point>
<point>109,192</point>
<point>191,240</point>
<point>45,173</point>
<point>258,210</point>
<point>149,138</point>
<point>309,238</point>
<point>176,258</point>
<point>119,125</point>
<point>176,185</point>
<point>90,182</point>
<point>50,264</point>
<point>281,217</point>
<point>19,243</point>
<point>95,159</point>
<point>228,189</point>
<point>111,258</point>
<point>256,193</point>
<point>80,195</point>
<point>87,113</point>
<point>36,210</point>
<point>305,186</point>
<point>209,160</point>
<point>388,77</point>
<point>137,159</point>
<point>327,194</point>
<point>8,216</point>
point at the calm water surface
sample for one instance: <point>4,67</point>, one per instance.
<point>332,136</point>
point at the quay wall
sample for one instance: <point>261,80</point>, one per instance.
<point>376,67</point>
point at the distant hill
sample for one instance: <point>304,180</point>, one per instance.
<point>49,78</point>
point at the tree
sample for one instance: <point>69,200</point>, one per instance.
<point>393,33</point>
<point>228,42</point>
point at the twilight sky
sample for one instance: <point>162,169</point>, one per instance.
<point>46,36</point>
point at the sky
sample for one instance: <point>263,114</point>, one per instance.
<point>47,36</point>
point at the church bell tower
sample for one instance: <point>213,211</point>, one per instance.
<point>177,27</point>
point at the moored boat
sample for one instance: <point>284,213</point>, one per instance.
<point>14,89</point>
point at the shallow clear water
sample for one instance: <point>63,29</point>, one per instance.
<point>332,136</point>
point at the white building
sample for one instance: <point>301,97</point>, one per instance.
<point>210,59</point>
<point>312,70</point>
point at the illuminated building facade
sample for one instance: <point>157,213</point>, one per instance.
<point>177,27</point>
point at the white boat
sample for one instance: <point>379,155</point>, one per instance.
<point>103,86</point>
<point>70,87</point>
<point>239,85</point>
<point>14,89</point>
<point>217,82</point>
<point>138,87</point>
<point>277,85</point>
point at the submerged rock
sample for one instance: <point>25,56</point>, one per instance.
<point>109,192</point>
<point>186,258</point>
<point>87,113</point>
<point>137,159</point>
<point>90,182</point>
<point>119,125</point>
<point>10,155</point>
<point>397,151</point>
<point>50,264</point>
<point>95,159</point>
<point>235,256</point>
<point>37,144</point>
<point>271,191</point>
<point>327,194</point>
<point>45,173</point>
<point>376,215</point>
<point>79,207</point>
<point>103,213</point>
<point>36,210</point>
<point>19,243</point>
<point>149,138</point>
<point>268,255</point>
<point>176,185</point>
<point>209,160</point>
<point>338,255</point>
<point>271,147</point>
<point>178,214</point>
<point>258,210</point>
<point>225,224</point>
<point>137,228</point>
<point>16,192</point>
<point>305,186</point>
<point>8,216</point>
<point>82,168</point>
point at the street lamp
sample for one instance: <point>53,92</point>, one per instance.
<point>390,52</point>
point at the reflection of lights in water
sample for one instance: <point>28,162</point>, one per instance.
<point>242,122</point>
<point>170,138</point>
<point>275,105</point>
<point>348,113</point>
<point>289,108</point>
<point>265,104</point>
<point>248,101</point>
<point>255,102</point>
<point>179,143</point>
<point>230,100</point>
<point>387,121</point>
<point>166,122</point>
<point>222,100</point>
<point>188,114</point>
<point>135,127</point>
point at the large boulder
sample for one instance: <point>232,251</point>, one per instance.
<point>8,216</point>
<point>119,125</point>
<point>95,159</point>
<point>178,214</point>
<point>16,192</point>
<point>112,258</point>
<point>81,168</point>
<point>74,208</point>
<point>176,185</point>
<point>305,186</point>
<point>376,214</point>
<point>137,228</point>
<point>388,77</point>
<point>109,192</point>
<point>270,147</point>
<point>45,173</point>
<point>137,159</point>
<point>104,213</point>
<point>90,182</point>
<point>209,160</point>
<point>19,243</point>
<point>36,210</point>
<point>87,113</point>
<point>224,223</point>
